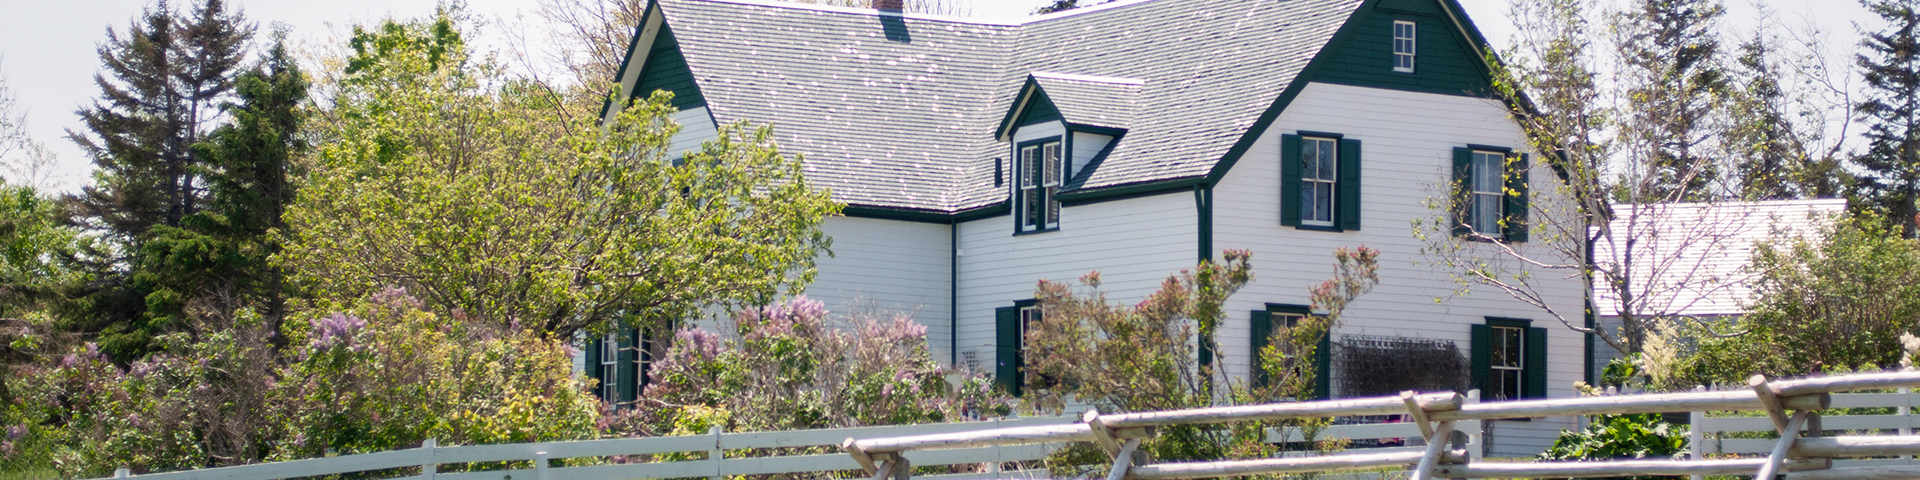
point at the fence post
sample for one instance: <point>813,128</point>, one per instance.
<point>430,467</point>
<point>1476,431</point>
<point>121,472</point>
<point>1696,441</point>
<point>716,455</point>
<point>1906,419</point>
<point>540,466</point>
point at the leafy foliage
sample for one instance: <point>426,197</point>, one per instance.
<point>1808,315</point>
<point>471,191</point>
<point>1131,359</point>
<point>382,375</point>
<point>1636,436</point>
<point>788,368</point>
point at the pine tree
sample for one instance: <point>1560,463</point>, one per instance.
<point>220,256</point>
<point>1774,154</point>
<point>1891,67</point>
<point>165,78</point>
<point>163,83</point>
<point>1676,83</point>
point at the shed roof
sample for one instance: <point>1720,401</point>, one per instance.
<point>1692,258</point>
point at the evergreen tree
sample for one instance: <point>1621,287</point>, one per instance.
<point>1675,85</point>
<point>1773,156</point>
<point>1891,67</point>
<point>165,77</point>
<point>220,256</point>
<point>163,83</point>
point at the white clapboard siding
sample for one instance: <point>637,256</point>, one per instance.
<point>881,268</point>
<point>696,126</point>
<point>1134,243</point>
<point>1085,147</point>
<point>1407,142</point>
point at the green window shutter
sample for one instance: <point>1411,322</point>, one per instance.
<point>1535,384</point>
<point>1515,229</point>
<point>1006,372</point>
<point>1480,357</point>
<point>1290,180</point>
<point>1322,367</point>
<point>1261,336</point>
<point>1348,207</point>
<point>592,366</point>
<point>1462,178</point>
<point>629,359</point>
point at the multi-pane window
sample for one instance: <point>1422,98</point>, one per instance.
<point>1508,350</point>
<point>1319,164</point>
<point>1487,192</point>
<point>1403,46</point>
<point>1040,171</point>
<point>610,367</point>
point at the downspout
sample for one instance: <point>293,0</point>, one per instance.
<point>1591,316</point>
<point>953,293</point>
<point>1203,202</point>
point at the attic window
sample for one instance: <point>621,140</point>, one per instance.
<point>1038,176</point>
<point>1403,46</point>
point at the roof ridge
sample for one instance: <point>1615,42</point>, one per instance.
<point>1088,78</point>
<point>933,17</point>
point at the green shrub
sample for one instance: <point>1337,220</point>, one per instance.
<point>1622,436</point>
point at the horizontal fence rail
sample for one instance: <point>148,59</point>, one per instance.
<point>1790,411</point>
<point>1791,408</point>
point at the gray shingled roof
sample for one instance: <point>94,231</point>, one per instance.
<point>900,111</point>
<point>1088,100</point>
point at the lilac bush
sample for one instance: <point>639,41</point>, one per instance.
<point>787,367</point>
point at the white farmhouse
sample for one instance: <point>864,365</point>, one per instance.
<point>1135,138</point>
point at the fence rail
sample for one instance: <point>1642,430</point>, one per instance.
<point>1790,408</point>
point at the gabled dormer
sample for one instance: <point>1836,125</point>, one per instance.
<point>1058,130</point>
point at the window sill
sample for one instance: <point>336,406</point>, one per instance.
<point>1319,228</point>
<point>1034,232</point>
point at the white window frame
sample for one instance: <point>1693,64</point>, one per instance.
<point>610,367</point>
<point>1512,365</point>
<point>1487,192</point>
<point>1325,149</point>
<point>1040,187</point>
<point>1404,45</point>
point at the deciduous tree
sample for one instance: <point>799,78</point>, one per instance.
<point>475,194</point>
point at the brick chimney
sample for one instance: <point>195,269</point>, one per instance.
<point>895,5</point>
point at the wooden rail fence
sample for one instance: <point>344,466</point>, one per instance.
<point>1791,408</point>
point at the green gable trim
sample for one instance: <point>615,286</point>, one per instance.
<point>1462,30</point>
<point>1362,55</point>
<point>632,46</point>
<point>666,69</point>
<point>1039,109</point>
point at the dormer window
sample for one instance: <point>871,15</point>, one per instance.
<point>1039,172</point>
<point>1403,33</point>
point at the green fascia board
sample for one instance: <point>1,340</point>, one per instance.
<point>896,213</point>
<point>1463,30</point>
<point>1014,111</point>
<point>638,30</point>
<point>1130,190</point>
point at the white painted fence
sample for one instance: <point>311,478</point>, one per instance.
<point>716,445</point>
<point>1708,432</point>
<point>713,446</point>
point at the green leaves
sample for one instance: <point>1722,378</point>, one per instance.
<point>442,177</point>
<point>1621,436</point>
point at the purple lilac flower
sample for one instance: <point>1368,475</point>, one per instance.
<point>15,432</point>
<point>336,329</point>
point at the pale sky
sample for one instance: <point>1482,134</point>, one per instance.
<point>47,47</point>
